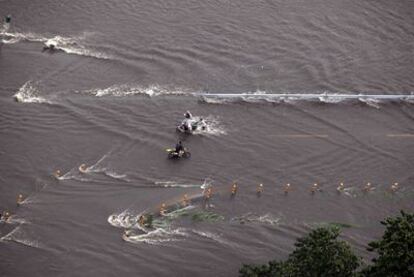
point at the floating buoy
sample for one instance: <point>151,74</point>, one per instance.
<point>287,188</point>
<point>57,173</point>
<point>19,199</point>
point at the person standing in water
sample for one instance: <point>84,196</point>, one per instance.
<point>179,147</point>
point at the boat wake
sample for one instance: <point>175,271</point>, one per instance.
<point>29,93</point>
<point>129,90</point>
<point>76,45</point>
<point>18,236</point>
<point>373,100</point>
<point>254,218</point>
<point>97,168</point>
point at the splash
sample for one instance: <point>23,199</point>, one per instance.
<point>29,93</point>
<point>155,237</point>
<point>17,235</point>
<point>128,90</point>
<point>213,127</point>
<point>123,220</point>
<point>71,45</point>
<point>97,168</point>
<point>254,218</point>
<point>72,175</point>
<point>16,220</point>
<point>174,184</point>
<point>372,100</point>
<point>213,236</point>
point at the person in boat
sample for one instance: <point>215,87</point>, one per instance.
<point>179,147</point>
<point>186,124</point>
<point>7,19</point>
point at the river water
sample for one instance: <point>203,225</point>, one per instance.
<point>297,92</point>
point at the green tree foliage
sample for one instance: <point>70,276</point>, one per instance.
<point>395,249</point>
<point>317,254</point>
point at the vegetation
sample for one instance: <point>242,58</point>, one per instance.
<point>395,249</point>
<point>320,253</point>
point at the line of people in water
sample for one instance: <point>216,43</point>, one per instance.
<point>145,220</point>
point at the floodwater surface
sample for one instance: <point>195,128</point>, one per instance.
<point>292,92</point>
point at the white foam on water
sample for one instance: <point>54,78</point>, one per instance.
<point>29,93</point>
<point>174,184</point>
<point>178,212</point>
<point>73,174</point>
<point>156,237</point>
<point>108,172</point>
<point>214,237</point>
<point>71,45</point>
<point>129,90</point>
<point>372,100</point>
<point>213,127</point>
<point>97,168</point>
<point>16,220</point>
<point>123,220</point>
<point>254,218</point>
<point>208,183</point>
<point>18,235</point>
<point>115,175</point>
